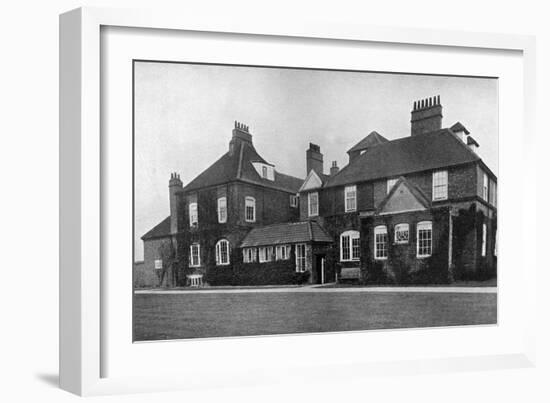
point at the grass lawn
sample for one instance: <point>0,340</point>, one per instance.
<point>178,316</point>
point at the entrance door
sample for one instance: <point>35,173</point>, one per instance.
<point>320,269</point>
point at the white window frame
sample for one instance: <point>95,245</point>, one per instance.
<point>265,254</point>
<point>424,226</point>
<point>193,214</point>
<point>198,262</point>
<point>293,200</point>
<point>158,264</point>
<point>300,258</point>
<point>282,252</point>
<point>484,240</point>
<point>485,189</point>
<point>313,212</point>
<point>222,210</point>
<point>403,227</point>
<point>440,185</point>
<point>219,255</point>
<point>249,201</point>
<point>378,231</point>
<point>352,238</point>
<point>249,255</point>
<point>350,198</point>
<point>390,183</point>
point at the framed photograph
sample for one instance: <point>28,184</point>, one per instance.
<point>266,199</point>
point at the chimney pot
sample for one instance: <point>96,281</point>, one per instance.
<point>174,186</point>
<point>426,116</point>
<point>314,159</point>
<point>240,135</point>
<point>334,168</point>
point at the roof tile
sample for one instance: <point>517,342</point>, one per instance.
<point>286,233</point>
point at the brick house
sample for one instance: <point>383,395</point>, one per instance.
<point>211,215</point>
<point>418,209</point>
<point>421,208</point>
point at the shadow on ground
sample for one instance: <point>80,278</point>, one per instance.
<point>49,379</point>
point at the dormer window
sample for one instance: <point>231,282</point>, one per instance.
<point>265,170</point>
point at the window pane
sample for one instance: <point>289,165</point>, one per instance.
<point>439,188</point>
<point>355,249</point>
<point>350,198</point>
<point>313,204</point>
<point>250,209</point>
<point>424,239</point>
<point>380,242</point>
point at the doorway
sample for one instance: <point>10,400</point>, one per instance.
<point>320,269</point>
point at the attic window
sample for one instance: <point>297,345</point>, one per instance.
<point>265,171</point>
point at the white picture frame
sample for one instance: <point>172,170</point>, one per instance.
<point>82,186</point>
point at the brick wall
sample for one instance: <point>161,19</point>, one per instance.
<point>463,182</point>
<point>272,206</point>
<point>402,261</point>
<point>147,275</point>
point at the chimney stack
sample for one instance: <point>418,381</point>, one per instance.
<point>314,159</point>
<point>240,135</point>
<point>175,185</point>
<point>426,116</point>
<point>334,168</point>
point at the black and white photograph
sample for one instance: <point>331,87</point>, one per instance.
<point>276,200</point>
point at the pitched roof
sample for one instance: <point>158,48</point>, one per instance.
<point>459,127</point>
<point>161,230</point>
<point>373,139</point>
<point>286,233</point>
<point>437,149</point>
<point>239,167</point>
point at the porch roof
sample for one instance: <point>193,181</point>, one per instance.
<point>286,233</point>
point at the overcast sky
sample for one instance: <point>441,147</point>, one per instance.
<point>184,116</point>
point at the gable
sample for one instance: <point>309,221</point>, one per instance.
<point>313,181</point>
<point>401,199</point>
